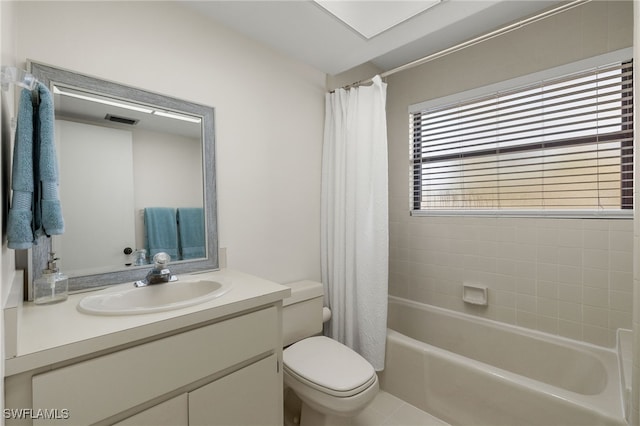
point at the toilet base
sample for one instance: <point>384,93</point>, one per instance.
<point>312,417</point>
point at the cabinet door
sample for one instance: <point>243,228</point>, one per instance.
<point>85,198</point>
<point>173,412</point>
<point>102,387</point>
<point>250,396</point>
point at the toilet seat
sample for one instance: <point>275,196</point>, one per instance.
<point>328,366</point>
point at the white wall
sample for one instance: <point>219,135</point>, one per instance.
<point>268,113</point>
<point>7,110</point>
<point>635,398</point>
<point>563,276</point>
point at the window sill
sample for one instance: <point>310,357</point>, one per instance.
<point>552,214</point>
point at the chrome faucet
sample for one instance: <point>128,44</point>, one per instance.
<point>160,273</point>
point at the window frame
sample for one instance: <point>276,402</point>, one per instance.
<point>622,55</point>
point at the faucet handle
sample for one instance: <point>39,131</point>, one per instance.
<point>161,260</point>
<point>159,273</point>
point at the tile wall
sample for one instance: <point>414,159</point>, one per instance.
<point>635,395</point>
<point>570,277</point>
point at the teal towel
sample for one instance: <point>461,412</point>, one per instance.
<point>161,231</point>
<point>191,232</point>
<point>50,211</point>
<point>19,219</point>
<point>35,208</point>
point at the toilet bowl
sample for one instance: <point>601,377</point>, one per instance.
<point>333,382</point>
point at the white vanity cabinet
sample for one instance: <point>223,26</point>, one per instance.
<point>174,412</point>
<point>226,372</point>
<point>247,394</point>
<point>245,397</point>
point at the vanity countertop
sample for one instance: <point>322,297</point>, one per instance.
<point>49,334</point>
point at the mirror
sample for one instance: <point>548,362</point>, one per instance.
<point>137,176</point>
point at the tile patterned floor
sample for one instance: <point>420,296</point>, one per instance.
<point>387,410</point>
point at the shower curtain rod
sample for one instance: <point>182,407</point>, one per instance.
<point>474,41</point>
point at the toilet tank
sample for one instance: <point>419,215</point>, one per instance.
<point>302,311</point>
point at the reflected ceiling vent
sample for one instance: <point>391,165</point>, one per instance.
<point>121,120</point>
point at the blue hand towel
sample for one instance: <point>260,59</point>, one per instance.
<point>191,232</point>
<point>19,220</point>
<point>161,231</point>
<point>50,211</point>
<point>35,209</point>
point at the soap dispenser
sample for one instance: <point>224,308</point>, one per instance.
<point>52,286</point>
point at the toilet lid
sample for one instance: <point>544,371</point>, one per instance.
<point>328,366</point>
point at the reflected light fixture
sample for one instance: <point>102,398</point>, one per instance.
<point>101,100</point>
<point>134,107</point>
<point>177,116</point>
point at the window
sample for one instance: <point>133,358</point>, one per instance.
<point>558,146</point>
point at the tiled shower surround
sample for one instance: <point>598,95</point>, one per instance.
<point>570,277</point>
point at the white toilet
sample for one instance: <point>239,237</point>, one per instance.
<point>333,382</point>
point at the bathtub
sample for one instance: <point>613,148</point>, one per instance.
<point>468,370</point>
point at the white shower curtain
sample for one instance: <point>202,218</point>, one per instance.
<point>354,222</point>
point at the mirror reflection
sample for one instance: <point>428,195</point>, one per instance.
<point>131,178</point>
<point>137,177</point>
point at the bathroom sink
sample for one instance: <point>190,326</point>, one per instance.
<point>153,298</point>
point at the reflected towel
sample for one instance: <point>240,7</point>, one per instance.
<point>191,232</point>
<point>161,231</point>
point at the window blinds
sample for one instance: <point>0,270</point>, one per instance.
<point>559,144</point>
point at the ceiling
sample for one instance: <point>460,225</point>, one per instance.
<point>391,34</point>
<point>305,30</point>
